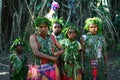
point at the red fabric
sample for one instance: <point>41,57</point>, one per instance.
<point>44,61</point>
<point>54,41</point>
<point>66,78</point>
<point>45,72</point>
<point>95,72</point>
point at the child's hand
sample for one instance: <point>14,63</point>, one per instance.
<point>55,54</point>
<point>55,59</point>
<point>82,70</point>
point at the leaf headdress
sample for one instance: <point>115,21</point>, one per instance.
<point>94,20</point>
<point>16,42</point>
<point>59,20</point>
<point>42,20</point>
<point>68,27</point>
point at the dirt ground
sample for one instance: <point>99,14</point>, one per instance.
<point>113,66</point>
<point>4,67</point>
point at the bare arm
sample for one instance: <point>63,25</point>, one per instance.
<point>83,48</point>
<point>60,51</point>
<point>35,50</point>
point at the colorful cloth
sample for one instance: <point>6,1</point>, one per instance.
<point>44,69</point>
<point>54,5</point>
<point>43,72</point>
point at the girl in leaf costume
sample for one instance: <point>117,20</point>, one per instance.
<point>42,45</point>
<point>18,61</point>
<point>71,57</point>
<point>94,50</point>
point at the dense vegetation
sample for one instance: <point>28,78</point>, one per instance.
<point>16,17</point>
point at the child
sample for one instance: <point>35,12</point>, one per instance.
<point>94,50</point>
<point>43,46</point>
<point>57,33</point>
<point>71,57</point>
<point>18,61</point>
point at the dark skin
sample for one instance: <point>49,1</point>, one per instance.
<point>71,34</point>
<point>19,49</point>
<point>19,52</point>
<point>56,28</point>
<point>43,29</point>
<point>93,29</point>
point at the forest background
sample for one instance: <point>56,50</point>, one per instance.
<point>16,20</point>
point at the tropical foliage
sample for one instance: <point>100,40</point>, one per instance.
<point>17,17</point>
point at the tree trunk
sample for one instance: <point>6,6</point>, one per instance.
<point>0,23</point>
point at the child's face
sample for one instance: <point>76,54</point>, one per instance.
<point>71,34</point>
<point>93,29</point>
<point>56,28</point>
<point>19,49</point>
<point>43,29</point>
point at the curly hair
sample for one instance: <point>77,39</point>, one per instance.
<point>42,20</point>
<point>94,20</point>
